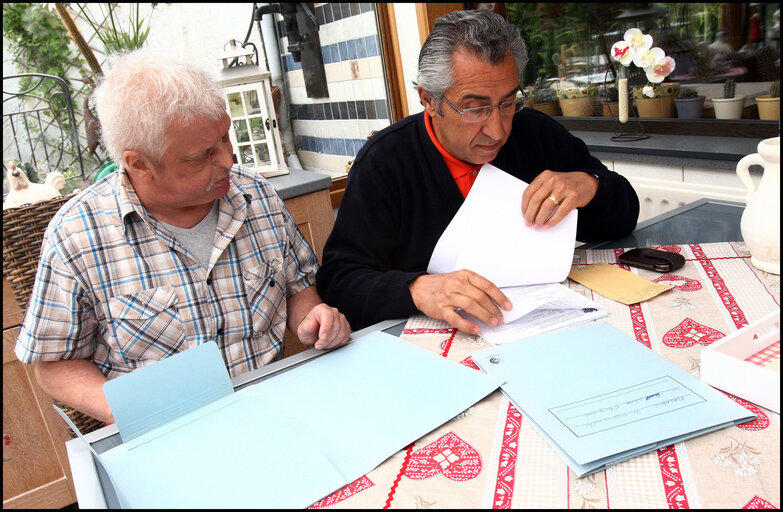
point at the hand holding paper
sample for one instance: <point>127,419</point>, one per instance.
<point>502,249</point>
<point>440,295</point>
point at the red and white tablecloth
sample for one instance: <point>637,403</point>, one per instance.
<point>490,456</point>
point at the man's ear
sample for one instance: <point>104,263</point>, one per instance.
<point>137,164</point>
<point>428,102</point>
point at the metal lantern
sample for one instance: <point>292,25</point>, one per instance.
<point>253,132</point>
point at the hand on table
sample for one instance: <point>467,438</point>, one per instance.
<point>440,295</point>
<point>324,327</point>
<point>549,189</point>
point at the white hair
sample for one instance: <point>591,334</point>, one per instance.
<point>144,94</point>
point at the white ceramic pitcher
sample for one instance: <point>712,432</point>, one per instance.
<point>760,225</point>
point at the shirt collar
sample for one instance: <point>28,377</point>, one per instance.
<point>129,202</point>
<point>456,166</point>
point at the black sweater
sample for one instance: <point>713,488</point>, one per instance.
<point>400,196</point>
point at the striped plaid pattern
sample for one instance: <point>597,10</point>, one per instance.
<point>766,356</point>
<point>115,286</point>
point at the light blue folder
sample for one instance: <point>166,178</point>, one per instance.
<point>190,441</point>
<point>599,397</point>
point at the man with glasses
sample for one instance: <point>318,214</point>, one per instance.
<point>410,179</point>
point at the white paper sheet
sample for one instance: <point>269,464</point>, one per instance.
<point>538,309</point>
<point>488,236</point>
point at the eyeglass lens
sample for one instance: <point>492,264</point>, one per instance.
<point>473,115</point>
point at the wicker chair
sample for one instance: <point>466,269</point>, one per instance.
<point>36,127</point>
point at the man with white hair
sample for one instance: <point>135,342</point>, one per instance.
<point>177,248</point>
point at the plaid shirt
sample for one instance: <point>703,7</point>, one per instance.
<point>114,285</point>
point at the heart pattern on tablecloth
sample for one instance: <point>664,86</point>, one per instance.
<point>468,361</point>
<point>346,492</point>
<point>682,283</point>
<point>756,502</point>
<point>669,248</point>
<point>449,455</point>
<point>760,423</point>
<point>690,332</point>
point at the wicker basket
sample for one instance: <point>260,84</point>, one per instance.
<point>83,422</point>
<point>23,230</point>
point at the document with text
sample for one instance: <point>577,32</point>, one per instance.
<point>599,397</point>
<point>539,308</point>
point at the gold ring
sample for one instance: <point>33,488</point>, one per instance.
<point>552,198</point>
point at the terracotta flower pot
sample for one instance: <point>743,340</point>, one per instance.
<point>611,109</point>
<point>729,108</point>
<point>655,107</point>
<point>578,107</point>
<point>769,108</point>
<point>549,108</point>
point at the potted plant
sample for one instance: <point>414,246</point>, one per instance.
<point>636,48</point>
<point>729,106</point>
<point>656,100</point>
<point>545,100</point>
<point>611,101</point>
<point>578,101</point>
<point>769,104</point>
<point>689,104</point>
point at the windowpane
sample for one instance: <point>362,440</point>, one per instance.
<point>569,43</point>
<point>257,128</point>
<point>235,104</point>
<point>240,128</point>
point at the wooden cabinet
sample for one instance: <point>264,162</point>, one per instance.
<point>314,217</point>
<point>36,473</point>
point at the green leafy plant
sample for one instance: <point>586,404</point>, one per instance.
<point>38,41</point>
<point>774,90</point>
<point>728,88</point>
<point>546,95</point>
<point>688,93</point>
<point>612,93</point>
<point>115,36</point>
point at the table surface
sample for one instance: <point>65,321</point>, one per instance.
<point>715,293</point>
<point>702,221</point>
<point>299,182</point>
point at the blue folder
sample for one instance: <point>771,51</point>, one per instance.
<point>599,397</point>
<point>190,441</point>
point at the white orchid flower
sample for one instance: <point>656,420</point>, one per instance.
<point>622,52</point>
<point>660,70</point>
<point>637,40</point>
<point>648,91</point>
<point>647,57</point>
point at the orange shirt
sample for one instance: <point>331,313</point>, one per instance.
<point>462,172</point>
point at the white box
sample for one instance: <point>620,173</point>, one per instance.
<point>723,364</point>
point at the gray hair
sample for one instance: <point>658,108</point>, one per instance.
<point>143,94</point>
<point>482,33</point>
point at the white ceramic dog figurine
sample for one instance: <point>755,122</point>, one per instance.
<point>23,192</point>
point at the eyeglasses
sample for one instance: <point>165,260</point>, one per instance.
<point>479,114</point>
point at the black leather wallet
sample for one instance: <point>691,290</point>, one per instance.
<point>652,259</point>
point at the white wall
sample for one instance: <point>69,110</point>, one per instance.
<point>192,31</point>
<point>197,31</point>
<point>662,188</point>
